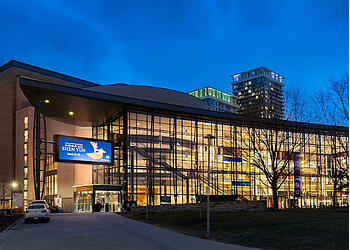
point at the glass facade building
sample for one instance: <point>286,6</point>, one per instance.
<point>162,154</point>
<point>166,158</point>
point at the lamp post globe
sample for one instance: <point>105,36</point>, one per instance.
<point>209,137</point>
<point>14,185</point>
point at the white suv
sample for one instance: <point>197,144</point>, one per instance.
<point>40,202</point>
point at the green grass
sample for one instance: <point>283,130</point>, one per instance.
<point>284,229</point>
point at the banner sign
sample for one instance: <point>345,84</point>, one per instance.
<point>83,150</point>
<point>297,182</point>
<point>241,183</point>
<point>232,159</point>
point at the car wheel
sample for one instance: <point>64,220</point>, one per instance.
<point>26,221</point>
<point>47,220</point>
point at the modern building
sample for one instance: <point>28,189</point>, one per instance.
<point>217,100</point>
<point>159,147</point>
<point>260,93</point>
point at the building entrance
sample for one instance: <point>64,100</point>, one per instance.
<point>109,201</point>
<point>102,198</point>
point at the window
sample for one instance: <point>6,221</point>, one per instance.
<point>25,159</point>
<point>25,146</point>
<point>25,173</point>
<point>25,184</point>
<point>26,122</point>
<point>25,136</point>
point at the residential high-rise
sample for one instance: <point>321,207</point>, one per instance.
<point>217,100</point>
<point>260,93</point>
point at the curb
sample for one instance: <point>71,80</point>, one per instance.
<point>13,224</point>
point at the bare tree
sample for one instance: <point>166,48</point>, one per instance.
<point>332,105</point>
<point>275,152</point>
<point>298,106</point>
<point>5,193</point>
<point>339,96</point>
<point>338,170</point>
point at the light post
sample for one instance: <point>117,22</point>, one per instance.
<point>209,137</point>
<point>147,187</point>
<point>14,185</point>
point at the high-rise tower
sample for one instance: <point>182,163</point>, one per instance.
<point>260,93</point>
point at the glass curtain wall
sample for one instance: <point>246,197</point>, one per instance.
<point>112,130</point>
<point>168,160</point>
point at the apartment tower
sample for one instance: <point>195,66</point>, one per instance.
<point>260,93</point>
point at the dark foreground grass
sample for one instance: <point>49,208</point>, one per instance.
<point>8,220</point>
<point>284,229</point>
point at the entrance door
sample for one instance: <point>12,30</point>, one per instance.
<point>82,201</point>
<point>110,200</point>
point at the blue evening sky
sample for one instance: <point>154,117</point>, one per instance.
<point>179,44</point>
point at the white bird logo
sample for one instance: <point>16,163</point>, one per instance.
<point>98,152</point>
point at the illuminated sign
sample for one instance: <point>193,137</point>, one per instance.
<point>241,183</point>
<point>233,159</point>
<point>297,181</point>
<point>83,150</point>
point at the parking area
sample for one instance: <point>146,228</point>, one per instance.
<point>97,231</point>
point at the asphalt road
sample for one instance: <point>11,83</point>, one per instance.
<point>100,231</point>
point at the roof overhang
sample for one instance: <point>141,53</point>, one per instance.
<point>91,107</point>
<point>88,107</point>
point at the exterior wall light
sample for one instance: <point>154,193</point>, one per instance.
<point>47,101</point>
<point>71,113</point>
<point>14,185</point>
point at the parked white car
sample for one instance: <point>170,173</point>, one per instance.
<point>40,202</point>
<point>36,212</point>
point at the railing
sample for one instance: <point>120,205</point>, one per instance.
<point>170,168</point>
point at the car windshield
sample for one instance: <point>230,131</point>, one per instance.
<point>41,202</point>
<point>36,206</point>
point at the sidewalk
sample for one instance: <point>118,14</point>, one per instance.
<point>101,231</point>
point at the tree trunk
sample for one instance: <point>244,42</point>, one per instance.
<point>275,197</point>
<point>334,191</point>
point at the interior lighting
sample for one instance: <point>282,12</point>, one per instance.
<point>70,113</point>
<point>14,184</point>
<point>47,101</point>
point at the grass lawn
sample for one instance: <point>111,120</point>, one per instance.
<point>283,229</point>
<point>8,220</point>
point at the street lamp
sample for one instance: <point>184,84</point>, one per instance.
<point>209,137</point>
<point>14,185</point>
<point>147,186</point>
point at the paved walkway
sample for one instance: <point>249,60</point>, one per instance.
<point>100,231</point>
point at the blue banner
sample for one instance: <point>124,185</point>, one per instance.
<point>83,150</point>
<point>241,183</point>
<point>297,182</point>
<point>232,159</point>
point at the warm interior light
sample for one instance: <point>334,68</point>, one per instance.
<point>47,101</point>
<point>14,184</point>
<point>71,113</point>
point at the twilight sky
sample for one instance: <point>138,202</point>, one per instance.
<point>179,44</point>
